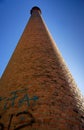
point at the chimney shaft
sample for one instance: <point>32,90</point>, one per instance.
<point>37,90</point>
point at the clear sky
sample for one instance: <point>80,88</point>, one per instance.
<point>65,21</point>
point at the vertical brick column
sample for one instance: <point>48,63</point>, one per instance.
<point>37,91</point>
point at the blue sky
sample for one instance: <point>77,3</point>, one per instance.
<point>65,21</point>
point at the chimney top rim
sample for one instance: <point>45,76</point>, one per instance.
<point>35,8</point>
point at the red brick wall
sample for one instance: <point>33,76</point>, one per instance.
<point>36,89</point>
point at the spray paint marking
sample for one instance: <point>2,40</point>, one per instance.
<point>20,95</point>
<point>23,119</point>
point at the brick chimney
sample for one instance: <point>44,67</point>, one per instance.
<point>37,91</point>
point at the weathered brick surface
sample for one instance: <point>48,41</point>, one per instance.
<point>37,91</point>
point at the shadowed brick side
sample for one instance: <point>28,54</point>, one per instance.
<point>38,66</point>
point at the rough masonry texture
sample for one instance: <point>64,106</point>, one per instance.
<point>37,91</point>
